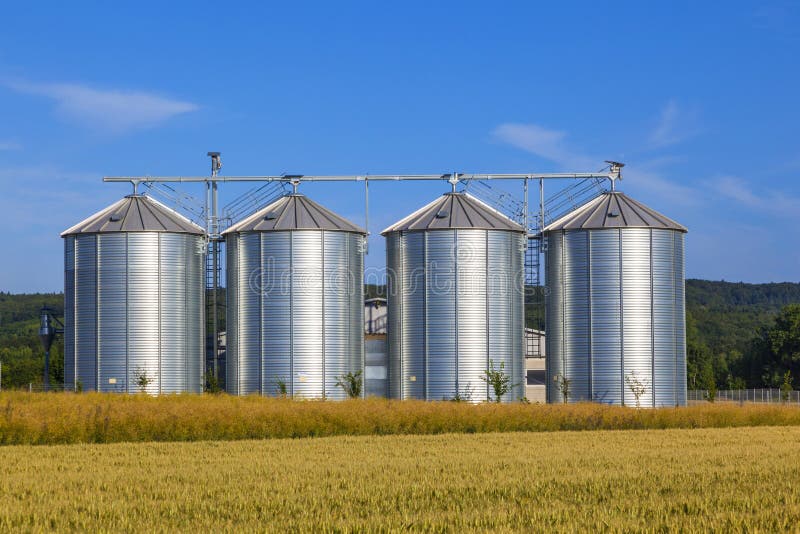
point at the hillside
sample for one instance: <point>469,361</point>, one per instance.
<point>728,314</point>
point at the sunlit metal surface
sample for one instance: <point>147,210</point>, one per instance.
<point>615,308</point>
<point>295,301</point>
<point>455,305</point>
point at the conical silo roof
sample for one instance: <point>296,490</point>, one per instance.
<point>294,212</point>
<point>454,211</point>
<point>135,213</point>
<point>613,210</point>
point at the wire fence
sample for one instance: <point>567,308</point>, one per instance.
<point>35,388</point>
<point>773,395</point>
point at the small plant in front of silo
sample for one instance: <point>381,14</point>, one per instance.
<point>637,386</point>
<point>563,384</point>
<point>142,379</point>
<point>786,387</point>
<point>351,383</point>
<point>498,379</point>
<point>212,383</point>
<point>465,396</point>
<point>280,386</point>
<point>78,386</point>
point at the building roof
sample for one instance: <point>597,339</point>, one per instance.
<point>613,210</point>
<point>455,210</point>
<point>135,213</point>
<point>294,212</point>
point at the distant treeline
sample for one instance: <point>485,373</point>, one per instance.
<point>738,335</point>
<point>20,350</point>
<point>742,335</point>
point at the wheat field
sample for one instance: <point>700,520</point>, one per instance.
<point>729,479</point>
<point>41,419</point>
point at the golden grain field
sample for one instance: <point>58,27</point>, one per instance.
<point>35,418</point>
<point>703,479</point>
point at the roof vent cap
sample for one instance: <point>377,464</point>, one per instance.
<point>271,216</point>
<point>613,214</point>
<point>115,218</point>
<point>442,214</point>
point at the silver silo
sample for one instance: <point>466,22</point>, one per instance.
<point>615,304</point>
<point>455,273</point>
<point>295,300</point>
<point>134,298</point>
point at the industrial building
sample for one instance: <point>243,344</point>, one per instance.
<point>455,289</point>
<point>133,295</point>
<point>458,269</point>
<point>295,301</point>
<point>615,305</point>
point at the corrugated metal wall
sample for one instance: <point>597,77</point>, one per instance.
<point>134,302</point>
<point>69,313</point>
<point>455,303</point>
<point>295,311</point>
<point>615,311</point>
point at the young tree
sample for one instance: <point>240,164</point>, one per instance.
<point>142,379</point>
<point>637,386</point>
<point>280,385</point>
<point>709,383</point>
<point>351,383</point>
<point>563,384</point>
<point>212,384</point>
<point>463,396</point>
<point>498,379</point>
<point>786,386</point>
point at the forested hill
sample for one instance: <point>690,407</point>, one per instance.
<point>727,295</point>
<point>729,314</point>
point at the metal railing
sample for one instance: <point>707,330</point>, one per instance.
<point>773,395</point>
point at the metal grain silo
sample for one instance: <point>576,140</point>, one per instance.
<point>455,272</point>
<point>134,300</point>
<point>295,300</point>
<point>615,304</point>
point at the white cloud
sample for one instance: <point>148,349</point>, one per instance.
<point>551,145</point>
<point>769,202</point>
<point>675,124</point>
<point>109,110</point>
<point>10,145</point>
<point>543,142</point>
<point>646,176</point>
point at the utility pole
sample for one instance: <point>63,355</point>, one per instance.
<point>213,236</point>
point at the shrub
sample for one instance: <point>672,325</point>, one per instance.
<point>786,386</point>
<point>280,385</point>
<point>637,386</point>
<point>212,384</point>
<point>351,384</point>
<point>141,379</point>
<point>563,384</point>
<point>498,379</point>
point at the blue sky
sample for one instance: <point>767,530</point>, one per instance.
<point>700,99</point>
